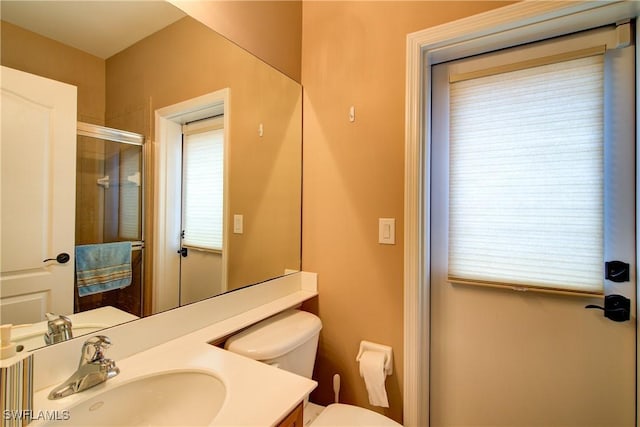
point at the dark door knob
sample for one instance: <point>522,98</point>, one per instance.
<point>62,258</point>
<point>616,308</point>
<point>183,252</point>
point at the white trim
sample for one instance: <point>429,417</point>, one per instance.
<point>416,249</point>
<point>506,26</point>
<point>637,222</point>
<point>167,190</point>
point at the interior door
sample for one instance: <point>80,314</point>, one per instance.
<point>200,275</point>
<point>504,357</point>
<point>201,260</point>
<point>38,142</point>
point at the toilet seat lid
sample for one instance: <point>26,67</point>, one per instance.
<point>275,336</point>
<point>338,414</point>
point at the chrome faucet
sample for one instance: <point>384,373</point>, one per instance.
<point>94,369</point>
<point>58,329</point>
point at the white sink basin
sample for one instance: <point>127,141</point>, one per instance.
<point>184,398</point>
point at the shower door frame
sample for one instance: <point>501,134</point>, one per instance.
<point>124,137</point>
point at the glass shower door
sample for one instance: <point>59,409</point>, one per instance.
<point>109,206</point>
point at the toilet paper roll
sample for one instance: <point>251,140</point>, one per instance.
<point>372,370</point>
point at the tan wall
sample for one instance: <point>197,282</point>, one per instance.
<point>353,53</point>
<point>186,60</point>
<point>271,30</point>
<point>54,60</point>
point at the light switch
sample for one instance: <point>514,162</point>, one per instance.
<point>237,224</point>
<point>387,231</point>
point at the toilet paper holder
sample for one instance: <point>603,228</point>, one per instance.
<point>387,350</point>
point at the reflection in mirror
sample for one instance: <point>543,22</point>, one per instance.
<point>177,60</point>
<point>202,209</point>
<point>109,191</point>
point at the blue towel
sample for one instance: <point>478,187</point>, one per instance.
<point>103,267</point>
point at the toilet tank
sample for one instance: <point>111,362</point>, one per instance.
<point>288,340</point>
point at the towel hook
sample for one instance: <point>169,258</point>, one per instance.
<point>62,258</point>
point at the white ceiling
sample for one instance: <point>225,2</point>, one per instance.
<point>101,28</point>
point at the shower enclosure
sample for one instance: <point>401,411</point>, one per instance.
<point>109,194</point>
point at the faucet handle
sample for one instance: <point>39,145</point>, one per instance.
<point>59,328</point>
<point>93,349</point>
<point>57,321</point>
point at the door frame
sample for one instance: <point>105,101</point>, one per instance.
<point>168,191</point>
<point>502,27</point>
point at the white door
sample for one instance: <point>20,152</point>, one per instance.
<point>201,274</point>
<point>38,152</point>
<point>505,356</point>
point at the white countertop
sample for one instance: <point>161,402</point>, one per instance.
<point>177,340</point>
<point>256,394</point>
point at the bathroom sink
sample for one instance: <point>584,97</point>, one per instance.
<point>184,398</point>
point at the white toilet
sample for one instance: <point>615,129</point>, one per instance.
<point>289,340</point>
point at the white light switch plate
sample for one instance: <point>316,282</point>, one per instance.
<point>238,224</point>
<point>387,231</point>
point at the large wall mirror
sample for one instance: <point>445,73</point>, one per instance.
<point>249,135</point>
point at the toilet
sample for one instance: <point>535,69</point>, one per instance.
<point>289,341</point>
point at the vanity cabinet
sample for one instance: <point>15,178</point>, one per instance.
<point>294,419</point>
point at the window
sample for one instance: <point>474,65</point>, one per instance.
<point>526,177</point>
<point>130,180</point>
<point>203,172</point>
<point>527,156</point>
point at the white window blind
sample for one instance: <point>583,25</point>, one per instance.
<point>130,166</point>
<point>203,174</point>
<point>526,177</point>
